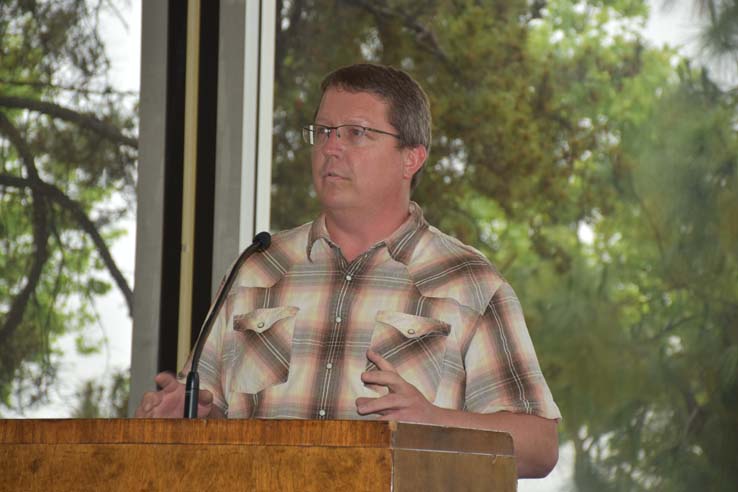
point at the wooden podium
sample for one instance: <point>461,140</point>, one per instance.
<point>250,455</point>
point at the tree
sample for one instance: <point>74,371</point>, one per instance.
<point>656,295</point>
<point>67,145</point>
<point>108,399</point>
<point>597,174</point>
<point>720,35</point>
<point>672,276</point>
<point>552,119</point>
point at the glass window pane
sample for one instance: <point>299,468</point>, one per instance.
<point>597,168</point>
<point>68,152</point>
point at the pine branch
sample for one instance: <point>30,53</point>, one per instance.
<point>424,36</point>
<point>109,91</point>
<point>40,234</point>
<point>87,121</point>
<point>80,216</point>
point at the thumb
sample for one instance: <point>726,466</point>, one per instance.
<point>206,397</point>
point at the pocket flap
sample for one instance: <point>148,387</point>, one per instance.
<point>260,320</point>
<point>412,326</point>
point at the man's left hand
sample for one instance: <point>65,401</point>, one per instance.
<point>535,438</point>
<point>404,402</point>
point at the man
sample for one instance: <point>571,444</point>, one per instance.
<point>369,312</point>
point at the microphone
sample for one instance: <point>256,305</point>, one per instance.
<point>192,388</point>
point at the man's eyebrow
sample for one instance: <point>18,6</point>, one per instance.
<point>359,121</point>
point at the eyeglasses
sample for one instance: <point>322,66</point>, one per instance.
<point>354,135</point>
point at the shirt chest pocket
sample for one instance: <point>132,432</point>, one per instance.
<point>262,348</point>
<point>414,345</point>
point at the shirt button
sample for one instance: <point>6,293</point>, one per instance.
<point>338,319</point>
<point>329,366</point>
<point>349,277</point>
<point>411,332</point>
<point>321,413</point>
<point>260,324</point>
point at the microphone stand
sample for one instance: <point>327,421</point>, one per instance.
<point>192,388</point>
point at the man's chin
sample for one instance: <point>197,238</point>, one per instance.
<point>338,201</point>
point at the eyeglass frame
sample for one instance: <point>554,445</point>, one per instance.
<point>308,129</point>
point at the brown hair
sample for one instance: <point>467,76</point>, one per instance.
<point>409,108</point>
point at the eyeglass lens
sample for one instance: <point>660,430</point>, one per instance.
<point>318,134</point>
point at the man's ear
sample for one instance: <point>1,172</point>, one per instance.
<point>414,159</point>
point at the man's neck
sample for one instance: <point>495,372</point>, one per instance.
<point>355,233</point>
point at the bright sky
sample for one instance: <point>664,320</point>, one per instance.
<point>677,23</point>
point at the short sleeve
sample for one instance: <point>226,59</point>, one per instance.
<point>502,369</point>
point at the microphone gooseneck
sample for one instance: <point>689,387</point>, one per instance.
<point>192,387</point>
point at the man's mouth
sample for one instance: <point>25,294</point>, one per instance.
<point>331,174</point>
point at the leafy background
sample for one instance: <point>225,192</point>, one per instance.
<point>599,173</point>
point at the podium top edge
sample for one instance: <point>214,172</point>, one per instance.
<point>265,432</point>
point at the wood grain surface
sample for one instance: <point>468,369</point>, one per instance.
<point>212,468</point>
<point>259,455</point>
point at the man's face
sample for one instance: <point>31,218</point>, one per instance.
<point>372,177</point>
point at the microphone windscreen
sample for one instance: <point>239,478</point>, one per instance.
<point>263,239</point>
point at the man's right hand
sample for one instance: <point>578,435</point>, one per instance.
<point>169,401</point>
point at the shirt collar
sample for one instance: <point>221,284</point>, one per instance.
<point>400,244</point>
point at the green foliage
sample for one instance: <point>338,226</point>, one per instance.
<point>600,178</point>
<point>51,52</point>
<point>106,399</point>
<point>720,37</point>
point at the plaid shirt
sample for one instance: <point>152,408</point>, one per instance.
<point>291,339</point>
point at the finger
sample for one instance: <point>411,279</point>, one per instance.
<point>140,412</point>
<point>149,401</point>
<point>381,405</point>
<point>216,412</point>
<point>380,361</point>
<point>204,409</point>
<point>391,380</point>
<point>205,397</point>
<point>165,380</point>
<point>366,406</point>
